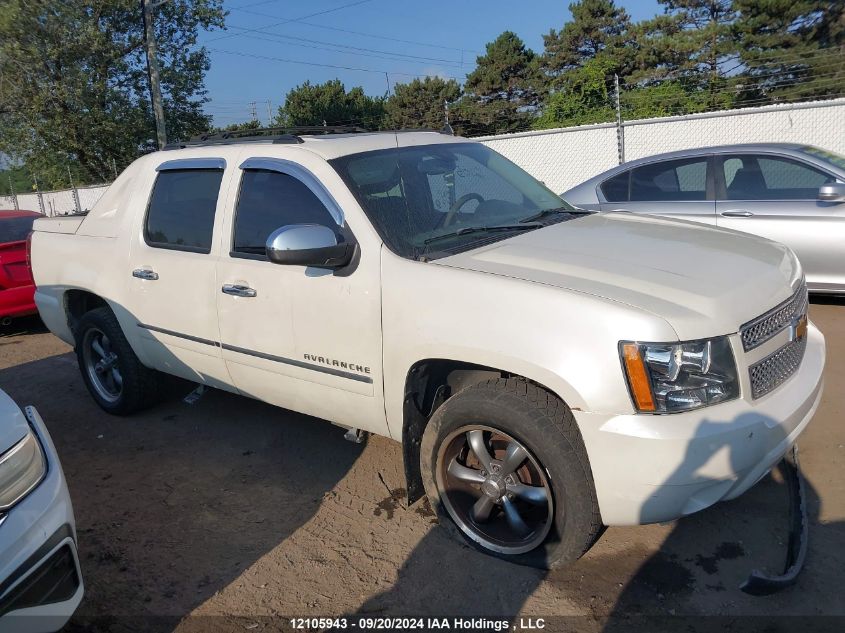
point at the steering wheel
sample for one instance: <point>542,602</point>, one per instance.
<point>453,210</point>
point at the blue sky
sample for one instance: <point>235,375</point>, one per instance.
<point>411,39</point>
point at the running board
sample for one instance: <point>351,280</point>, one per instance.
<point>761,584</point>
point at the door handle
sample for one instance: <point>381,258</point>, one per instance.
<point>145,273</point>
<point>736,214</point>
<point>237,290</point>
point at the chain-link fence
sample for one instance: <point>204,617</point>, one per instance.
<point>53,203</point>
<point>564,157</point>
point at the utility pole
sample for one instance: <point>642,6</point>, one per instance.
<point>253,110</point>
<point>152,71</point>
<point>447,127</point>
<point>620,132</point>
<point>269,115</point>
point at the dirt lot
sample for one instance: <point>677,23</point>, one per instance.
<point>235,513</point>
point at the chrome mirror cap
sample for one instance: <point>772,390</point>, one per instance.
<point>307,245</point>
<point>832,192</point>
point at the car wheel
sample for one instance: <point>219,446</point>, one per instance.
<point>116,379</point>
<point>505,468</point>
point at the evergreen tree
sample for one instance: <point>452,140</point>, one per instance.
<point>329,103</point>
<point>502,93</point>
<point>791,49</point>
<point>421,103</point>
<point>598,28</point>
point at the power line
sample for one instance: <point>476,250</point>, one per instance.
<point>389,55</point>
<point>363,34</point>
<point>288,21</point>
<point>320,65</point>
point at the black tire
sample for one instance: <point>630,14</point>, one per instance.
<point>546,428</point>
<point>140,387</point>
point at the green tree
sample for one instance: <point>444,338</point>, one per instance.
<point>73,82</point>
<point>582,97</point>
<point>791,49</point>
<point>238,127</point>
<point>21,182</point>
<point>330,103</point>
<point>421,103</point>
<point>598,27</point>
<point>693,41</point>
<point>503,91</point>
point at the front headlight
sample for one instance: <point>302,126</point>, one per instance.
<point>22,468</point>
<point>672,377</point>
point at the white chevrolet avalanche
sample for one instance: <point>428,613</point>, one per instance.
<point>547,370</point>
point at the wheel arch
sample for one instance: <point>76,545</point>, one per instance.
<point>428,384</point>
<point>77,302</point>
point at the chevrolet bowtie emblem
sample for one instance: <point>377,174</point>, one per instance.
<point>798,328</point>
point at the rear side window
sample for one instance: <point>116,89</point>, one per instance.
<point>269,200</point>
<point>181,211</point>
<point>672,180</point>
<point>15,229</point>
<point>616,189</point>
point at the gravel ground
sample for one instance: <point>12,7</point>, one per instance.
<point>239,514</point>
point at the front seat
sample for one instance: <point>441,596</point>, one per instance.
<point>748,184</point>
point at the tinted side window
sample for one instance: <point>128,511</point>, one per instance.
<point>269,200</point>
<point>181,211</point>
<point>616,189</point>
<point>771,178</point>
<point>672,180</point>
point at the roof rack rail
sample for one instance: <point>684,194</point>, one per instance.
<point>265,134</point>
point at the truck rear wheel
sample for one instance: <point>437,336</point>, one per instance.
<point>116,379</point>
<point>506,470</point>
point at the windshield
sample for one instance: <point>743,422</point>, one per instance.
<point>439,199</point>
<point>835,159</point>
<point>15,229</point>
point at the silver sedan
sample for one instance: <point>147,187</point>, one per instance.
<point>794,194</point>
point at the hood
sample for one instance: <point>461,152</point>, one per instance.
<point>703,280</point>
<point>13,424</point>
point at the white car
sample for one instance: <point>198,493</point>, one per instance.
<point>40,580</point>
<point>547,371</point>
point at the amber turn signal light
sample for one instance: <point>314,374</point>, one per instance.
<point>637,377</point>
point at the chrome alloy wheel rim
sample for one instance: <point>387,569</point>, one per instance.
<point>101,365</point>
<point>494,489</point>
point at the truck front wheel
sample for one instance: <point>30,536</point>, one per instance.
<point>506,470</point>
<point>116,379</point>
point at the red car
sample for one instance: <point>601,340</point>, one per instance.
<point>16,285</point>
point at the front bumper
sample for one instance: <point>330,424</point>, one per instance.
<point>652,468</point>
<point>40,578</point>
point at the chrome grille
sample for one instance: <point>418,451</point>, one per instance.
<point>773,370</point>
<point>756,332</point>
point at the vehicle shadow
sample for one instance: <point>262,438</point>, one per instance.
<point>23,325</point>
<point>692,582</point>
<point>828,300</point>
<point>175,503</point>
<point>622,584</point>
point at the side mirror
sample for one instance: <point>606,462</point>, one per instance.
<point>307,245</point>
<point>832,192</point>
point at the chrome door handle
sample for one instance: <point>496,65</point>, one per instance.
<point>145,273</point>
<point>237,290</point>
<point>736,214</point>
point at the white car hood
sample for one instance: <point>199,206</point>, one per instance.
<point>704,281</point>
<point>13,424</point>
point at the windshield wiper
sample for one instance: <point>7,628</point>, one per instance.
<point>523,226</point>
<point>556,211</point>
